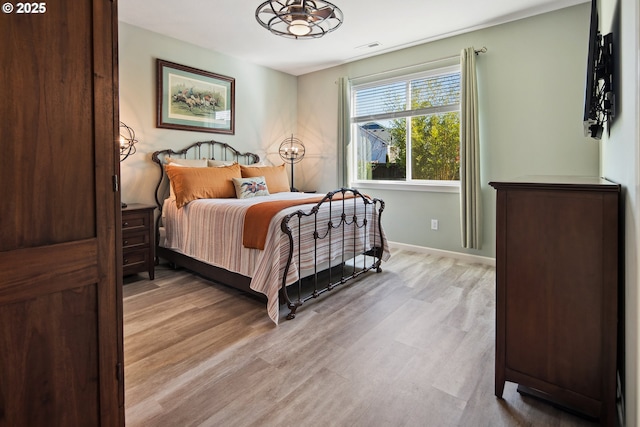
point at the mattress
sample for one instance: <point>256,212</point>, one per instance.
<point>210,230</point>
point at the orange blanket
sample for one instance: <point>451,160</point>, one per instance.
<point>258,217</point>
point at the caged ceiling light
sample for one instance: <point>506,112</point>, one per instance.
<point>299,19</point>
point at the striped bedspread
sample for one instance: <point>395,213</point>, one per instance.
<point>210,230</point>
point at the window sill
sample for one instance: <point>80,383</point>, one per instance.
<point>432,186</point>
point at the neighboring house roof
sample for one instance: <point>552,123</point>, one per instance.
<point>378,137</point>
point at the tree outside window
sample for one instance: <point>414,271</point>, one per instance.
<point>428,133</point>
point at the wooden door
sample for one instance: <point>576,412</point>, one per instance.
<point>60,294</point>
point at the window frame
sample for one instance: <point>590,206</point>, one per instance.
<point>409,184</point>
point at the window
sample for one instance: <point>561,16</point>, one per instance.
<point>407,129</point>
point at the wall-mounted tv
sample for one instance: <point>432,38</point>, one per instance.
<point>599,95</point>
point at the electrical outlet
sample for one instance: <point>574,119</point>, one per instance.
<point>434,224</point>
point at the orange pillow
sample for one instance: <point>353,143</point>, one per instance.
<point>276,176</point>
<point>202,183</point>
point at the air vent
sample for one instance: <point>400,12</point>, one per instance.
<point>369,45</point>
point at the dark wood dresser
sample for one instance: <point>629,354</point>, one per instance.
<point>138,239</point>
<point>557,291</point>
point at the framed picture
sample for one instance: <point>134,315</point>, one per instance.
<point>192,99</point>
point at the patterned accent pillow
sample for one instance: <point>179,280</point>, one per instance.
<point>250,187</point>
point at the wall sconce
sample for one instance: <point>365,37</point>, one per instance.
<point>127,145</point>
<point>127,141</point>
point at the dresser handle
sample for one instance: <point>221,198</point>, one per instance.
<point>126,242</point>
<point>125,261</point>
<point>125,224</point>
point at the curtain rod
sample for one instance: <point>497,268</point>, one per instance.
<point>483,49</point>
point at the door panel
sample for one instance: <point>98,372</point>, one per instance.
<point>29,273</point>
<point>52,359</point>
<point>47,134</point>
<point>60,291</point>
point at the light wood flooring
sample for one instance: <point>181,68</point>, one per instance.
<point>411,346</point>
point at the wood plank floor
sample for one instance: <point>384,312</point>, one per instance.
<point>411,346</point>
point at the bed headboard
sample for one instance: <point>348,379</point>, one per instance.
<point>213,150</point>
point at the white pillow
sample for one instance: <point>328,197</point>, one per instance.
<point>212,163</point>
<point>192,163</point>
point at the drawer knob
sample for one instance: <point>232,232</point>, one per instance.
<point>126,242</point>
<point>125,224</point>
<point>125,261</point>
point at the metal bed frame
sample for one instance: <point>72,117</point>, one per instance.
<point>350,266</point>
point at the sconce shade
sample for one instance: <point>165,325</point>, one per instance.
<point>127,141</point>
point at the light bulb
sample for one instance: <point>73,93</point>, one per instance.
<point>299,27</point>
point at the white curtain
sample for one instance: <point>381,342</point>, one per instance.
<point>344,129</point>
<point>470,194</point>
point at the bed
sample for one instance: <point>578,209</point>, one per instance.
<point>257,236</point>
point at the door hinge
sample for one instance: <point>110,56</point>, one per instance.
<point>119,373</point>
<point>115,183</point>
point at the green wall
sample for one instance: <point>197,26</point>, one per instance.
<point>265,108</point>
<point>531,84</point>
<point>621,163</point>
<point>531,89</point>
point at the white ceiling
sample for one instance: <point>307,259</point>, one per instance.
<point>230,27</point>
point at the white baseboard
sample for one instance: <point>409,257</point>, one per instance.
<point>439,252</point>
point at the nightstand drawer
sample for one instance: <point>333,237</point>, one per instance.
<point>138,246</point>
<point>134,261</point>
<point>135,240</point>
<point>135,221</point>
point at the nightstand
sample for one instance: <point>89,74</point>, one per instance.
<point>138,244</point>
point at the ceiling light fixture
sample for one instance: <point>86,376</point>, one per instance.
<point>299,19</point>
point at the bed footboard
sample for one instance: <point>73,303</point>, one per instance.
<point>339,239</point>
